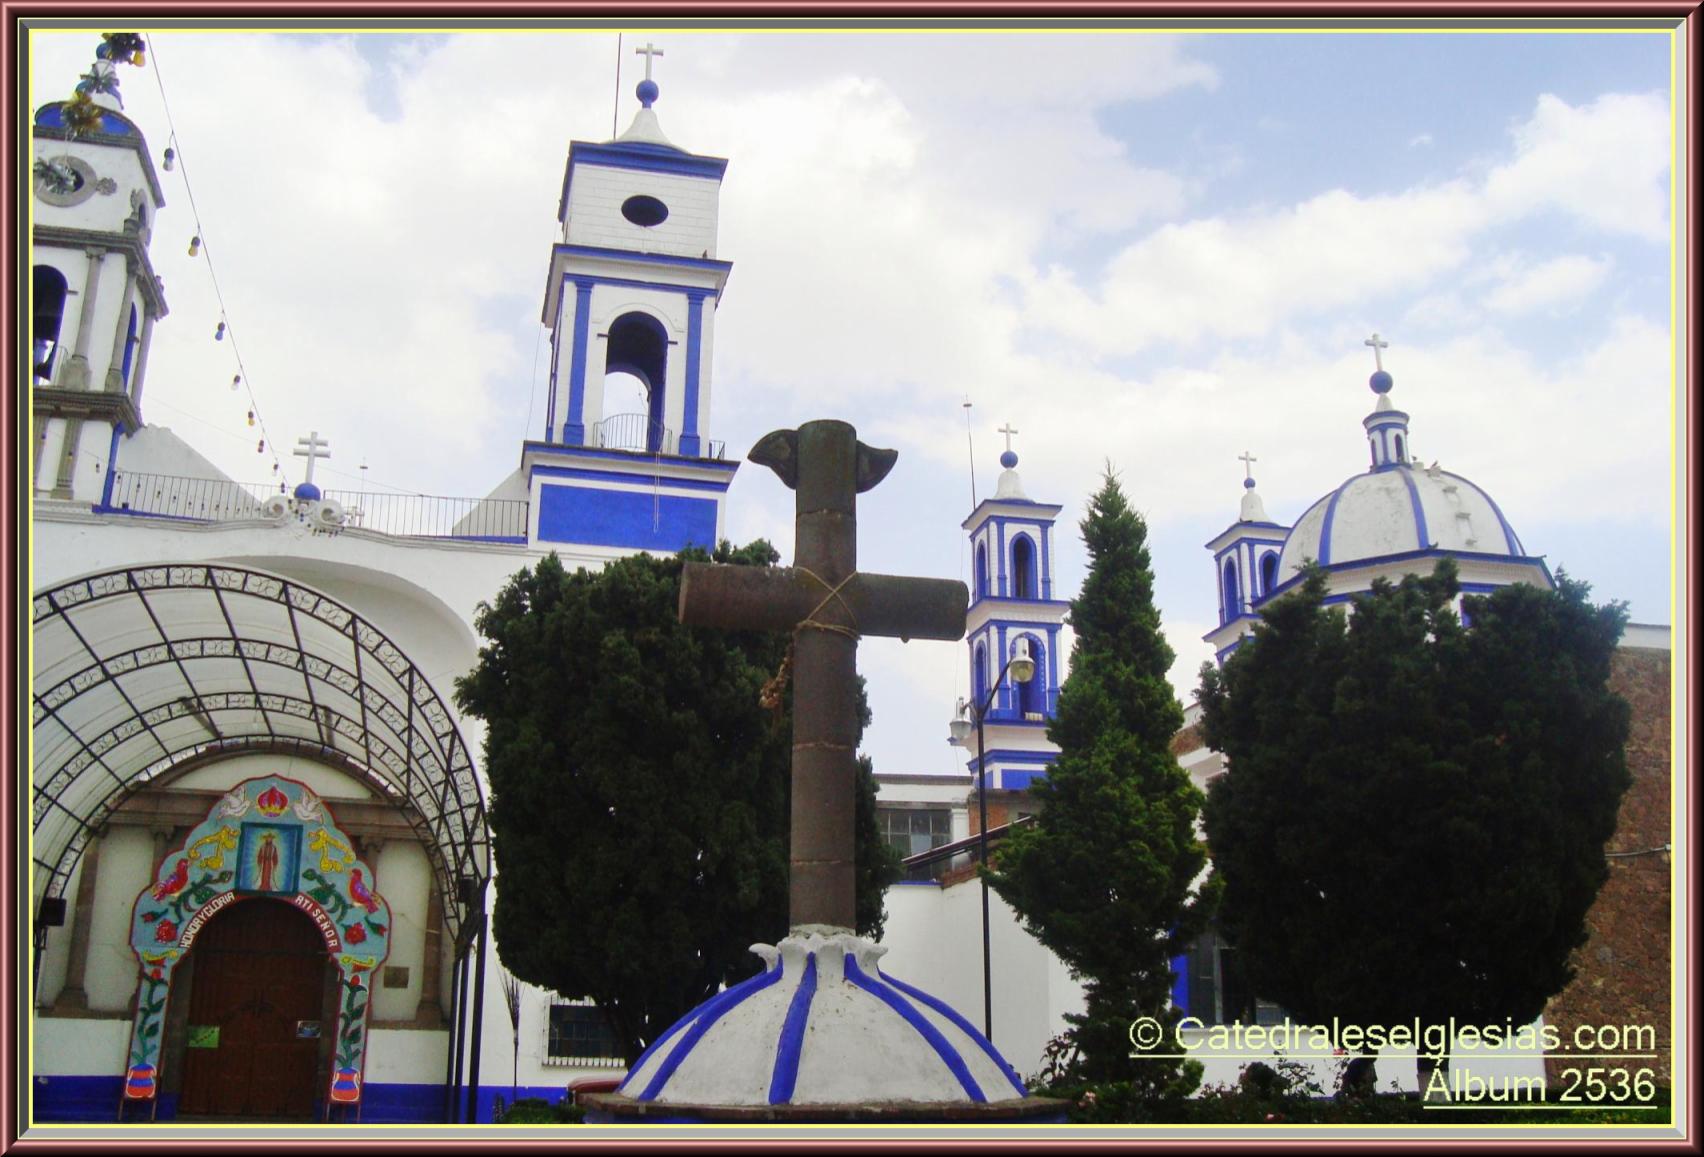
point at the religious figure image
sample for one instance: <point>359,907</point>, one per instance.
<point>268,857</point>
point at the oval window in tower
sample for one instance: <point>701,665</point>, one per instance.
<point>643,210</point>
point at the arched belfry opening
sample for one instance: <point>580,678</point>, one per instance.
<point>48,294</point>
<point>1024,585</point>
<point>638,346</point>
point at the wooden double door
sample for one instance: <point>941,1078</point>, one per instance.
<point>257,996</point>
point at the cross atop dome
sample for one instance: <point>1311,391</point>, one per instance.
<point>1008,429</point>
<point>1248,460</point>
<point>1380,382</point>
<point>647,90</point>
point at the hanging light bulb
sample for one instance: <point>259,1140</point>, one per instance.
<point>171,159</point>
<point>251,417</point>
<point>236,380</point>
<point>260,447</point>
<point>280,485</point>
<point>195,245</point>
<point>219,334</point>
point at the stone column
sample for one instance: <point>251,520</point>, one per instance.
<point>74,995</point>
<point>115,368</point>
<point>76,375</point>
<point>141,365</point>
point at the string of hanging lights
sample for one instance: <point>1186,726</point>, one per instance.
<point>174,160</point>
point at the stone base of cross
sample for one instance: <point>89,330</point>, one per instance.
<point>827,605</point>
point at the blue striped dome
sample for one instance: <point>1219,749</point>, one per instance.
<point>821,1025</point>
<point>1395,510</point>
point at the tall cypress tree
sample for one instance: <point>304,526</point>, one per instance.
<point>1104,877</point>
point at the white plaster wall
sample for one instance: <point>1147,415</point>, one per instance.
<point>594,211</point>
<point>56,955</point>
<point>127,861</point>
<point>407,1056</point>
<point>157,450</point>
<point>404,878</point>
<point>323,781</point>
<point>102,211</point>
<point>81,1047</point>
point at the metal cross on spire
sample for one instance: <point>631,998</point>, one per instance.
<point>1378,344</point>
<point>311,447</point>
<point>1008,429</point>
<point>648,52</point>
<point>1248,460</point>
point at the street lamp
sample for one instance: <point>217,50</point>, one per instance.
<point>1022,668</point>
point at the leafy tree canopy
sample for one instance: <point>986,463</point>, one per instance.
<point>639,792</point>
<point>1413,819</point>
<point>1104,876</point>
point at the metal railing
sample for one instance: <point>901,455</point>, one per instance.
<point>204,499</point>
<point>400,515</point>
<point>635,432</point>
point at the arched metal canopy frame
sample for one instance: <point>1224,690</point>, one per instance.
<point>142,672</point>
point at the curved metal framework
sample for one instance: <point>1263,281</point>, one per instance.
<point>142,672</point>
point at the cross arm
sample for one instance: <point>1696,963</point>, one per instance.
<point>779,598</point>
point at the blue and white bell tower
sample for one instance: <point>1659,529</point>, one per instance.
<point>1011,607</point>
<point>633,289</point>
<point>1245,558</point>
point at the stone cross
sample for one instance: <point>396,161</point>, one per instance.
<point>1007,430</point>
<point>1248,460</point>
<point>648,52</point>
<point>311,447</point>
<point>828,605</point>
<point>1377,344</point>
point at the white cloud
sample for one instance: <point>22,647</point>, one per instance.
<point>1553,285</point>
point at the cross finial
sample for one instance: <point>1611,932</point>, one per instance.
<point>648,52</point>
<point>1008,429</point>
<point>1378,344</point>
<point>1248,460</point>
<point>311,447</point>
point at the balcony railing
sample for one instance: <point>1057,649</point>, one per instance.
<point>637,432</point>
<point>399,515</point>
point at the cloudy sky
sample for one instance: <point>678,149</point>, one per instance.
<point>1145,250</point>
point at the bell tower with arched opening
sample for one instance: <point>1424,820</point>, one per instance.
<point>1011,606</point>
<point>625,462</point>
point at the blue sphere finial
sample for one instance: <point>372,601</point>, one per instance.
<point>1009,459</point>
<point>1381,382</point>
<point>646,92</point>
<point>1248,483</point>
<point>307,492</point>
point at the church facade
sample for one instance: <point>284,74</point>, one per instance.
<point>213,662</point>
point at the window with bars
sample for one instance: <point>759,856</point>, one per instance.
<point>914,830</point>
<point>578,1035</point>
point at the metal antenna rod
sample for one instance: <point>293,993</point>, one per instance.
<point>615,113</point>
<point>970,446</point>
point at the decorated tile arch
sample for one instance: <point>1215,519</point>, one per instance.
<point>269,837</point>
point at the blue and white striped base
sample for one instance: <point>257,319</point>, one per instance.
<point>821,1025</point>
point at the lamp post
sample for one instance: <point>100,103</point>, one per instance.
<point>1022,668</point>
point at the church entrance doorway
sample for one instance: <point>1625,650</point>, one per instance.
<point>256,1003</point>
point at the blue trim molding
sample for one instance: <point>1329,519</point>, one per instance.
<point>646,480</point>
<point>631,519</point>
<point>694,353</point>
<point>574,430</point>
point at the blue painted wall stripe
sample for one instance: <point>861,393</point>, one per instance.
<point>574,430</point>
<point>111,466</point>
<point>668,1034</point>
<point>963,1026</point>
<point>1423,541</point>
<point>943,1048</point>
<point>694,359</point>
<point>625,518</point>
<point>792,1043</point>
<point>705,1016</point>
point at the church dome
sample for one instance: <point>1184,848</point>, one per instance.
<point>1394,510</point>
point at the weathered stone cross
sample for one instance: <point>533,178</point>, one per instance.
<point>827,605</point>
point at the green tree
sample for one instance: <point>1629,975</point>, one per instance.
<point>1413,820</point>
<point>1104,876</point>
<point>639,791</point>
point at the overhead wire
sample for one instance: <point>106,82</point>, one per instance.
<point>267,444</point>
